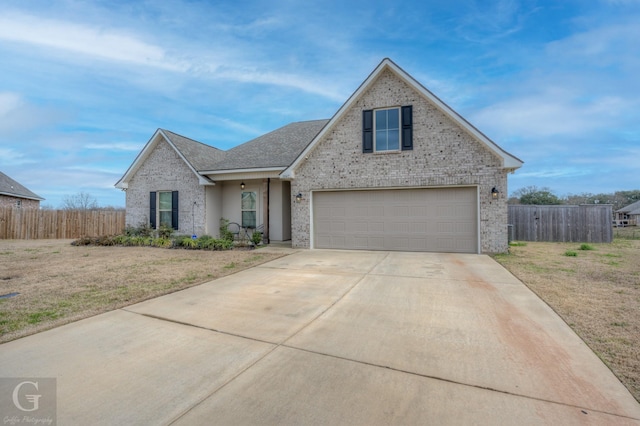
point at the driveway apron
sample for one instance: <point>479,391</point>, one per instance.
<point>330,337</point>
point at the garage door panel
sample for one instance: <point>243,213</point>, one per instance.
<point>442,219</point>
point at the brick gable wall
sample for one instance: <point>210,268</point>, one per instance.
<point>164,170</point>
<point>443,155</point>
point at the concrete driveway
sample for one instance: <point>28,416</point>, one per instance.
<point>330,337</point>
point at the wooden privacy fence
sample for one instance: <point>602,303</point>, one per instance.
<point>580,224</point>
<point>42,224</point>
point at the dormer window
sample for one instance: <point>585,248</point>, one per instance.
<point>387,129</point>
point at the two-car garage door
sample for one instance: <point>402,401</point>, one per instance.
<point>435,219</point>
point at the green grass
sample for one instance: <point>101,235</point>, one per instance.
<point>230,265</point>
<point>619,324</point>
<point>517,244</point>
<point>37,317</point>
<point>571,253</point>
<point>586,246</point>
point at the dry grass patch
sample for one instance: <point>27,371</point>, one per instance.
<point>596,291</point>
<point>59,283</point>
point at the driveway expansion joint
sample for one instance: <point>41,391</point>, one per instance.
<point>157,317</point>
<point>455,382</point>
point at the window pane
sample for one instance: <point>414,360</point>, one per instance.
<point>249,219</point>
<point>381,140</point>
<point>393,139</point>
<point>381,119</point>
<point>248,201</point>
<point>165,218</point>
<point>393,118</point>
<point>165,201</point>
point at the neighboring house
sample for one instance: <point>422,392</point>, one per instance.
<point>13,194</point>
<point>628,216</point>
<point>394,169</point>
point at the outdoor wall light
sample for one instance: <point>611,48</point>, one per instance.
<point>242,185</point>
<point>298,197</point>
<point>494,193</point>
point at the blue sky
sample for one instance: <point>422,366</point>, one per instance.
<point>84,84</point>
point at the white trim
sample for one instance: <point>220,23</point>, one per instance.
<point>479,236</point>
<point>248,174</point>
<point>374,136</point>
<point>21,196</point>
<point>221,172</point>
<point>508,161</point>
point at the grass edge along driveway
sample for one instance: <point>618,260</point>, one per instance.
<point>595,288</point>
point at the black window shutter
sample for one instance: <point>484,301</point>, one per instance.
<point>367,131</point>
<point>152,209</point>
<point>174,210</point>
<point>407,128</point>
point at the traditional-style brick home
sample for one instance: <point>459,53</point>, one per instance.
<point>394,169</point>
<point>13,194</point>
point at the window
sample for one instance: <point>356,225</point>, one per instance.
<point>248,207</point>
<point>387,125</point>
<point>18,204</point>
<point>163,209</point>
<point>387,129</point>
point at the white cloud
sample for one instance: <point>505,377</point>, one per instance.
<point>11,157</point>
<point>117,146</point>
<point>556,112</point>
<point>107,44</point>
<point>9,102</point>
<point>17,115</point>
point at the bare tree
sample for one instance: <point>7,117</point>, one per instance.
<point>79,201</point>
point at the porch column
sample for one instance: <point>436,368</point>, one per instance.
<point>265,210</point>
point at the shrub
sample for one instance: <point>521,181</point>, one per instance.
<point>586,247</point>
<point>161,242</point>
<point>224,244</point>
<point>206,242</point>
<point>142,230</point>
<point>165,231</point>
<point>570,253</point>
<point>256,237</point>
<point>225,234</point>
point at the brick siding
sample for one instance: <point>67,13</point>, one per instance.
<point>443,155</point>
<point>164,170</point>
<point>9,201</point>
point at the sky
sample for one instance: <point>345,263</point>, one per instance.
<point>85,84</point>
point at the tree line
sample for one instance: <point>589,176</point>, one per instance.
<point>80,201</point>
<point>546,196</point>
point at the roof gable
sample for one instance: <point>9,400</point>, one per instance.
<point>508,161</point>
<point>12,188</point>
<point>195,154</point>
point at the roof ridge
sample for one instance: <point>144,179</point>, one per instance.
<point>191,139</point>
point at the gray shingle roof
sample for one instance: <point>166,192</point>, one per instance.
<point>198,154</point>
<point>275,149</point>
<point>633,208</point>
<point>10,187</point>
